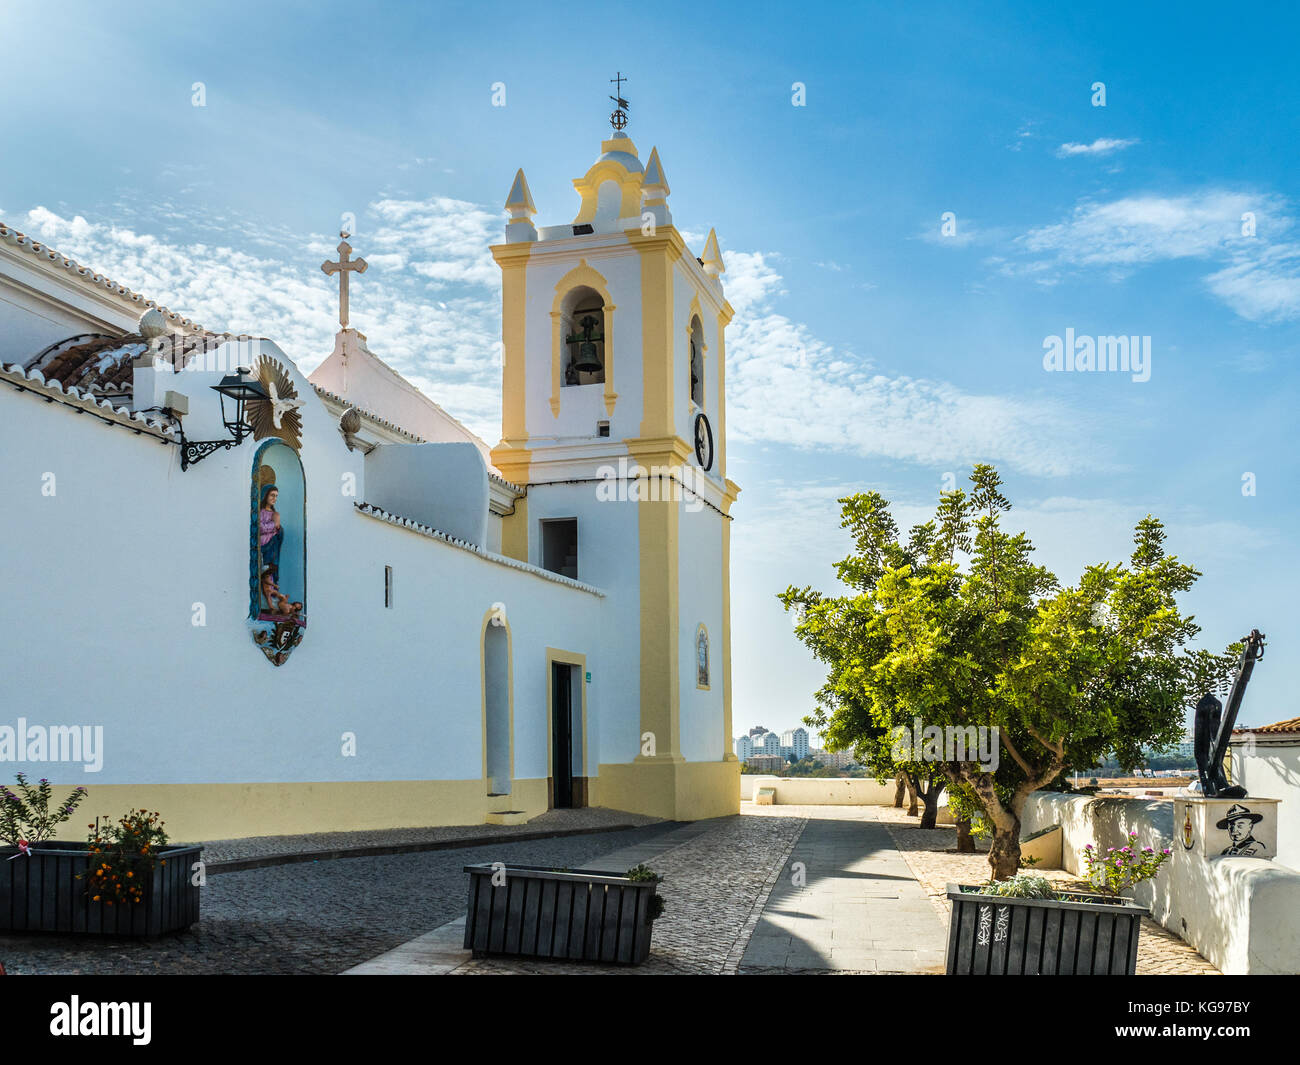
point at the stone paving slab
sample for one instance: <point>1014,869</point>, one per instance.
<point>931,854</point>
<point>858,909</point>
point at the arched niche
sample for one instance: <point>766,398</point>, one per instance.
<point>277,551</point>
<point>580,293</point>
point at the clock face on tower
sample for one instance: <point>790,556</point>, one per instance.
<point>703,442</point>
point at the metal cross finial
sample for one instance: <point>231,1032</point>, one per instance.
<point>343,267</point>
<point>619,118</point>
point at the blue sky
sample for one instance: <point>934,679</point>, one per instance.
<point>869,350</point>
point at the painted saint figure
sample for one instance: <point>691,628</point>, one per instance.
<point>1240,823</point>
<point>270,533</point>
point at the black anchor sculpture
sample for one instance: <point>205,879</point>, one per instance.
<point>1213,728</point>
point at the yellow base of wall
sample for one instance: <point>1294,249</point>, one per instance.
<point>195,812</point>
<point>679,791</point>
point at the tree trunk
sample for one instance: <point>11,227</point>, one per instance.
<point>900,789</point>
<point>1004,855</point>
<point>965,841</point>
<point>911,795</point>
<point>931,799</point>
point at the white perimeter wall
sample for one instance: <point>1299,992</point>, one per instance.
<point>103,578</point>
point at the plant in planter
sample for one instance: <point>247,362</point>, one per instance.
<point>1036,929</point>
<point>583,915</point>
<point>642,873</point>
<point>123,856</point>
<point>1122,867</point>
<point>25,815</point>
<point>126,880</point>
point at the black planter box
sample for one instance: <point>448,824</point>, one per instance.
<point>542,913</point>
<point>989,935</point>
<point>41,893</point>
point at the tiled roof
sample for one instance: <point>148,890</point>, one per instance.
<point>102,407</point>
<point>100,365</point>
<point>11,236</point>
<point>1290,725</point>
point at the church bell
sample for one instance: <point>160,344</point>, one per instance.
<point>587,361</point>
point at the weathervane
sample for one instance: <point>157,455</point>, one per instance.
<point>619,118</point>
<point>343,267</point>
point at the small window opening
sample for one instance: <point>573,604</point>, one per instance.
<point>388,587</point>
<point>560,546</point>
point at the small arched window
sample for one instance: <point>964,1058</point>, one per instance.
<point>583,325</point>
<point>697,363</point>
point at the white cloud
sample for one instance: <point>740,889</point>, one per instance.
<point>1151,228</point>
<point>1101,146</point>
<point>786,386</point>
<point>1261,284</point>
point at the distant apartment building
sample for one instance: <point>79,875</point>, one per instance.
<point>834,759</point>
<point>771,745</point>
<point>757,730</point>
<point>766,763</point>
<point>744,748</point>
<point>794,743</point>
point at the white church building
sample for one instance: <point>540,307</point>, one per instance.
<point>264,602</point>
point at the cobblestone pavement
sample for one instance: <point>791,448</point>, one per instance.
<point>931,854</point>
<point>715,883</point>
<point>310,917</point>
<point>224,850</point>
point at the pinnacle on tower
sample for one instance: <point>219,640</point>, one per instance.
<point>712,257</point>
<point>654,184</point>
<point>521,207</point>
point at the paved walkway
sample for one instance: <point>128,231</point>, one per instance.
<point>733,904</point>
<point>847,902</point>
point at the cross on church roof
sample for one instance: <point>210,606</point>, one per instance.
<point>343,267</point>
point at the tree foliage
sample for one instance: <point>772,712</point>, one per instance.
<point>958,626</point>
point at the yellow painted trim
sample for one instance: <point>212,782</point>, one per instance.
<point>510,696</point>
<point>679,791</point>
<point>566,658</point>
<point>720,443</point>
<point>588,187</point>
<point>728,754</point>
<point>581,276</point>
<point>197,812</point>
<point>657,254</point>
<point>708,656</point>
<point>513,260</point>
<point>657,526</point>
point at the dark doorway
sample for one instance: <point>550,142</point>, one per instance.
<point>561,735</point>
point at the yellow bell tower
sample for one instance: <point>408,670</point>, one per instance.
<point>614,419</point>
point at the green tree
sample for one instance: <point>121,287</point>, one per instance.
<point>958,626</point>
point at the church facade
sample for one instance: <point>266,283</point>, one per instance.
<point>264,602</point>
